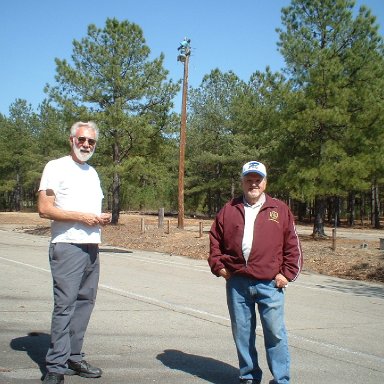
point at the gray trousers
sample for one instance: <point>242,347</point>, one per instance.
<point>75,272</point>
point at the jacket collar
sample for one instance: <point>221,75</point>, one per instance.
<point>239,202</point>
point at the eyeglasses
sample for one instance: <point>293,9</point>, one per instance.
<point>83,139</point>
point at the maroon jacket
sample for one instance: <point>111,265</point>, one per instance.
<point>275,249</point>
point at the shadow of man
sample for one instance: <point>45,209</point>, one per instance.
<point>206,368</point>
<point>36,345</point>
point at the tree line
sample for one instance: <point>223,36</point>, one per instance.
<point>317,124</point>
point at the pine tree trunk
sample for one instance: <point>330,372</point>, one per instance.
<point>318,225</point>
<point>375,206</point>
<point>115,198</point>
<point>209,203</point>
<point>301,212</point>
<point>18,189</point>
<point>233,188</point>
<point>116,185</point>
<point>362,209</point>
<point>351,208</point>
<point>337,205</point>
<point>218,203</point>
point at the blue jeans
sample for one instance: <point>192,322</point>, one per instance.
<point>242,296</point>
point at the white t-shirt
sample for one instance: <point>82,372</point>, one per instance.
<point>77,188</point>
<point>251,212</point>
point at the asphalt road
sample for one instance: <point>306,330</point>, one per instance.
<point>163,319</point>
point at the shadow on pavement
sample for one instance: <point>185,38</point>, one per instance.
<point>36,345</point>
<point>206,368</point>
<point>355,287</point>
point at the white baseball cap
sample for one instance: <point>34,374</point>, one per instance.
<point>254,167</point>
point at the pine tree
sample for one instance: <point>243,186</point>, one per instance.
<point>113,81</point>
<point>19,156</point>
<point>213,156</point>
<point>329,55</point>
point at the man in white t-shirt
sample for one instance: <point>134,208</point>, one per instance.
<point>71,197</point>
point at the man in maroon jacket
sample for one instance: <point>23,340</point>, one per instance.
<point>255,247</point>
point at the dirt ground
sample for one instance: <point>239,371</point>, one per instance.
<point>352,259</point>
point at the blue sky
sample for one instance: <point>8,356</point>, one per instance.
<point>226,34</point>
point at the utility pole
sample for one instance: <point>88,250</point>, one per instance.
<point>183,57</point>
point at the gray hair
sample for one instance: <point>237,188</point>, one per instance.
<point>90,124</point>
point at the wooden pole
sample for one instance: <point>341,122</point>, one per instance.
<point>142,225</point>
<point>183,128</point>
<point>334,239</point>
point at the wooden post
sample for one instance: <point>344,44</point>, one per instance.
<point>161,218</point>
<point>334,239</point>
<point>142,225</point>
<point>168,227</point>
<point>200,229</point>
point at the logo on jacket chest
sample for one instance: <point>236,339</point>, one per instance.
<point>274,216</point>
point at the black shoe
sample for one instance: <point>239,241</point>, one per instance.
<point>83,369</point>
<point>53,378</point>
<point>249,381</point>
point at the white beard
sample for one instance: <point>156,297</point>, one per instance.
<point>82,156</point>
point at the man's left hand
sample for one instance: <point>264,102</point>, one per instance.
<point>105,218</point>
<point>281,281</point>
